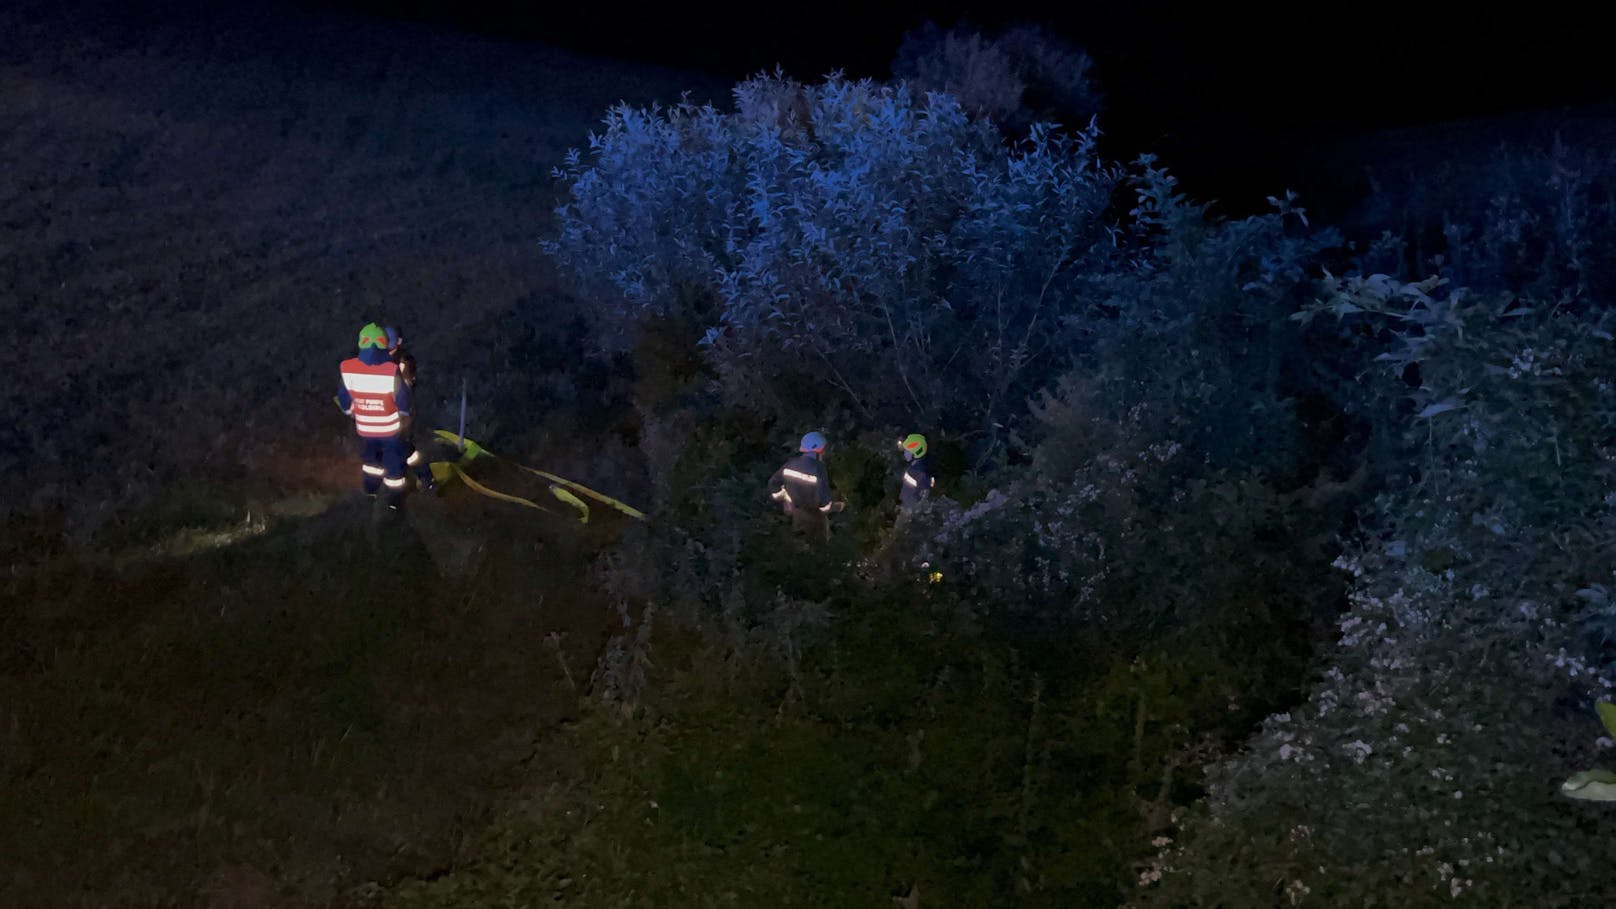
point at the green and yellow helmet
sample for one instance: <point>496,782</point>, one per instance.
<point>914,446</point>
<point>373,335</point>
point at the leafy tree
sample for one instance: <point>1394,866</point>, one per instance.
<point>1019,77</point>
<point>861,245</point>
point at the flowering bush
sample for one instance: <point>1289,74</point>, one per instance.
<point>1427,756</point>
<point>1425,761</point>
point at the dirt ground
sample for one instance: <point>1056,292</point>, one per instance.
<point>224,682</point>
<point>327,703</point>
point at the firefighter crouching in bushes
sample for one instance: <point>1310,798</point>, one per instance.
<point>378,399</point>
<point>413,458</point>
<point>802,487</point>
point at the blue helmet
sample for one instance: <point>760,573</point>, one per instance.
<point>812,442</point>
<point>393,337</point>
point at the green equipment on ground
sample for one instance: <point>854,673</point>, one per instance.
<point>1595,785</point>
<point>565,491</point>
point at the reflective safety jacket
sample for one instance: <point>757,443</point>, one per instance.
<point>374,393</point>
<point>801,483</point>
<point>917,482</point>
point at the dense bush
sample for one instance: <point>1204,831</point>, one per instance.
<point>1195,325</point>
<point>854,256</point>
<point>1532,218</point>
<point>1423,765</point>
<point>1119,529</point>
<point>1172,419</point>
<point>1427,756</point>
<point>861,246</point>
<point>1169,469</point>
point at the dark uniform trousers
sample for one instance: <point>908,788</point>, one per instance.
<point>406,436</point>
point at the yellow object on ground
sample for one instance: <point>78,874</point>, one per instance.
<point>562,490</point>
<point>574,501</point>
<point>450,471</point>
<point>443,471</point>
<point>629,510</point>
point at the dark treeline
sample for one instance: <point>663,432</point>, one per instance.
<point>1237,101</point>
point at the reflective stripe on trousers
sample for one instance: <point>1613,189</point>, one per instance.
<point>376,426</point>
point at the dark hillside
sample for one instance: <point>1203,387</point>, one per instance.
<point>239,692</point>
<point>197,213</point>
<point>1236,100</point>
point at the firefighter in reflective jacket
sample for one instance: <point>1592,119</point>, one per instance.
<point>802,487</point>
<point>406,371</point>
<point>377,397</point>
<point>917,478</point>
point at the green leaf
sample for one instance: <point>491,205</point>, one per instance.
<point>1607,715</point>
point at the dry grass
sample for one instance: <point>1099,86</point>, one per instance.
<point>233,696</point>
<point>278,721</point>
<point>194,221</point>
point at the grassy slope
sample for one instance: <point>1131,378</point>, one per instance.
<point>197,213</point>
<point>268,724</point>
<point>276,721</point>
<point>251,704</point>
<point>904,755</point>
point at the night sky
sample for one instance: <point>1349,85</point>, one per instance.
<point>1234,100</point>
<point>1240,103</point>
<point>1179,63</point>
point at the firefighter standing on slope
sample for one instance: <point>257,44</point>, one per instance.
<point>917,478</point>
<point>802,487</point>
<point>378,398</point>
<point>406,371</point>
